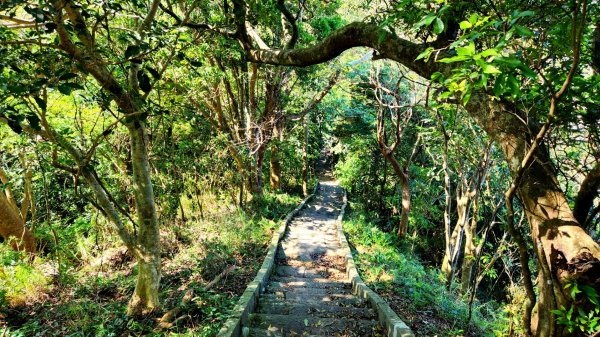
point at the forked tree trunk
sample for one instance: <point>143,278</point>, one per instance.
<point>12,227</point>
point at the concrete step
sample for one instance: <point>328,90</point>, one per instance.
<point>263,332</point>
<point>342,301</point>
<point>300,282</point>
<point>349,299</point>
<point>290,324</point>
<point>321,263</point>
<point>316,309</point>
<point>319,272</point>
<point>308,293</point>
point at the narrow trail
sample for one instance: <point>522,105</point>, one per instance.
<point>309,293</point>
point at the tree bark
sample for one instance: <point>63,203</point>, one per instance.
<point>587,192</point>
<point>12,227</point>
<point>145,297</point>
<point>275,160</point>
<point>405,185</point>
<point>305,158</point>
<point>258,170</point>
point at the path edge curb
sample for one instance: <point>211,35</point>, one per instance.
<point>394,325</point>
<point>248,300</point>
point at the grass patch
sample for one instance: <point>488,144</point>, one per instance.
<point>415,292</point>
<point>87,294</point>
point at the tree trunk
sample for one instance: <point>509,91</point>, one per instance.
<point>12,227</point>
<point>305,158</point>
<point>145,297</point>
<point>275,160</point>
<point>405,185</point>
<point>258,174</point>
<point>469,250</point>
<point>564,250</point>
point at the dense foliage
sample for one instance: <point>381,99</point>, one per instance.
<point>148,146</point>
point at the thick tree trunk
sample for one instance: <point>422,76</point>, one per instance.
<point>564,250</point>
<point>145,297</point>
<point>12,227</point>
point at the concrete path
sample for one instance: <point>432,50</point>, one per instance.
<point>309,293</point>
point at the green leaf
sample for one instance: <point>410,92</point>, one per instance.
<point>195,63</point>
<point>144,82</point>
<point>131,51</point>
<point>527,72</point>
<point>67,76</point>
<point>490,69</point>
<point>68,88</point>
<point>40,102</point>
<point>154,73</point>
<point>466,51</point>
<point>489,52</point>
<point>525,32</point>
<point>34,121</point>
<point>522,14</point>
<point>514,85</point>
<point>15,126</point>
<point>438,26</point>
<point>509,61</point>
<point>466,97</point>
<point>453,59</point>
<point>465,25</point>
<point>65,89</point>
<point>17,89</point>
<point>381,36</point>
<point>426,21</point>
<point>425,53</point>
<point>473,19</point>
<point>500,85</point>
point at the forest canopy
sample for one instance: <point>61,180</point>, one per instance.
<point>147,145</point>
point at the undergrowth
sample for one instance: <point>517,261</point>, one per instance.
<point>86,293</point>
<point>415,292</point>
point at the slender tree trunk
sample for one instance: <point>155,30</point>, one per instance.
<point>305,158</point>
<point>147,252</point>
<point>258,174</point>
<point>382,186</point>
<point>469,250</point>
<point>449,234</point>
<point>275,160</point>
<point>405,185</point>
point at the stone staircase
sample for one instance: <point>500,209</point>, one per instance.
<point>309,293</point>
